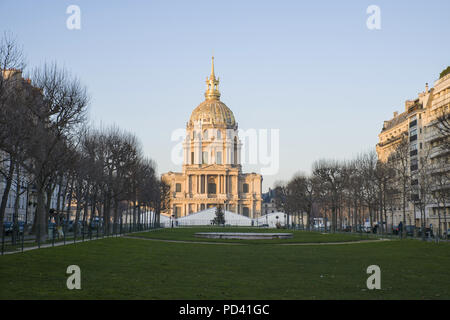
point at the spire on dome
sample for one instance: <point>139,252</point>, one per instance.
<point>212,84</point>
<point>212,68</point>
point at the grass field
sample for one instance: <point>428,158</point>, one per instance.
<point>188,234</point>
<point>123,268</point>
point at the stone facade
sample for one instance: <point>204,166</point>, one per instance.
<point>212,172</point>
<point>418,126</point>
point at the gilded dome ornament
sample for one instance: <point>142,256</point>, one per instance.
<point>212,110</point>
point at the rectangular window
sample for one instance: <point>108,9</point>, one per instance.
<point>219,157</point>
<point>245,188</point>
<point>192,158</point>
<point>178,187</point>
<point>205,157</point>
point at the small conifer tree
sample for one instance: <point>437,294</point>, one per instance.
<point>220,216</point>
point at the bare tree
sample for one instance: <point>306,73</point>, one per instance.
<point>399,163</point>
<point>330,177</point>
<point>57,111</point>
<point>12,125</point>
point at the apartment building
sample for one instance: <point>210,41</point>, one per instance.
<point>419,127</point>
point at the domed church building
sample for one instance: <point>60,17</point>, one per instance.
<point>212,173</point>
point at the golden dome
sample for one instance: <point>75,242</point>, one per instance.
<point>215,112</point>
<point>212,110</point>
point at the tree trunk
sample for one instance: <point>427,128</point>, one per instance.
<point>116,215</point>
<point>77,218</point>
<point>16,208</point>
<point>69,202</point>
<point>6,191</point>
<point>40,218</point>
<point>58,201</point>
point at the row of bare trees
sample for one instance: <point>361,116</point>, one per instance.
<point>347,193</point>
<point>46,146</point>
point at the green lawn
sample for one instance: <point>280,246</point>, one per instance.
<point>121,268</point>
<point>188,234</point>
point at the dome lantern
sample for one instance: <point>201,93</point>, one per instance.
<point>212,111</point>
<point>212,85</point>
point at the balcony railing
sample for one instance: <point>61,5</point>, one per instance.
<point>437,151</point>
<point>433,136</point>
<point>389,141</point>
<point>442,101</point>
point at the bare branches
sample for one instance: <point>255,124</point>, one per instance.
<point>11,54</point>
<point>43,134</point>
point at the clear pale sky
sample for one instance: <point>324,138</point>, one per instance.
<point>311,69</point>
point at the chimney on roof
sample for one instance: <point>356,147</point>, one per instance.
<point>408,103</point>
<point>12,74</point>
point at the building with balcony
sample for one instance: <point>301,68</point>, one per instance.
<point>428,156</point>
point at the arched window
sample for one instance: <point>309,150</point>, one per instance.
<point>211,186</point>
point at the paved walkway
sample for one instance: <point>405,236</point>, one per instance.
<point>61,243</point>
<point>58,244</point>
<point>184,241</point>
<point>331,243</point>
<point>279,244</point>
